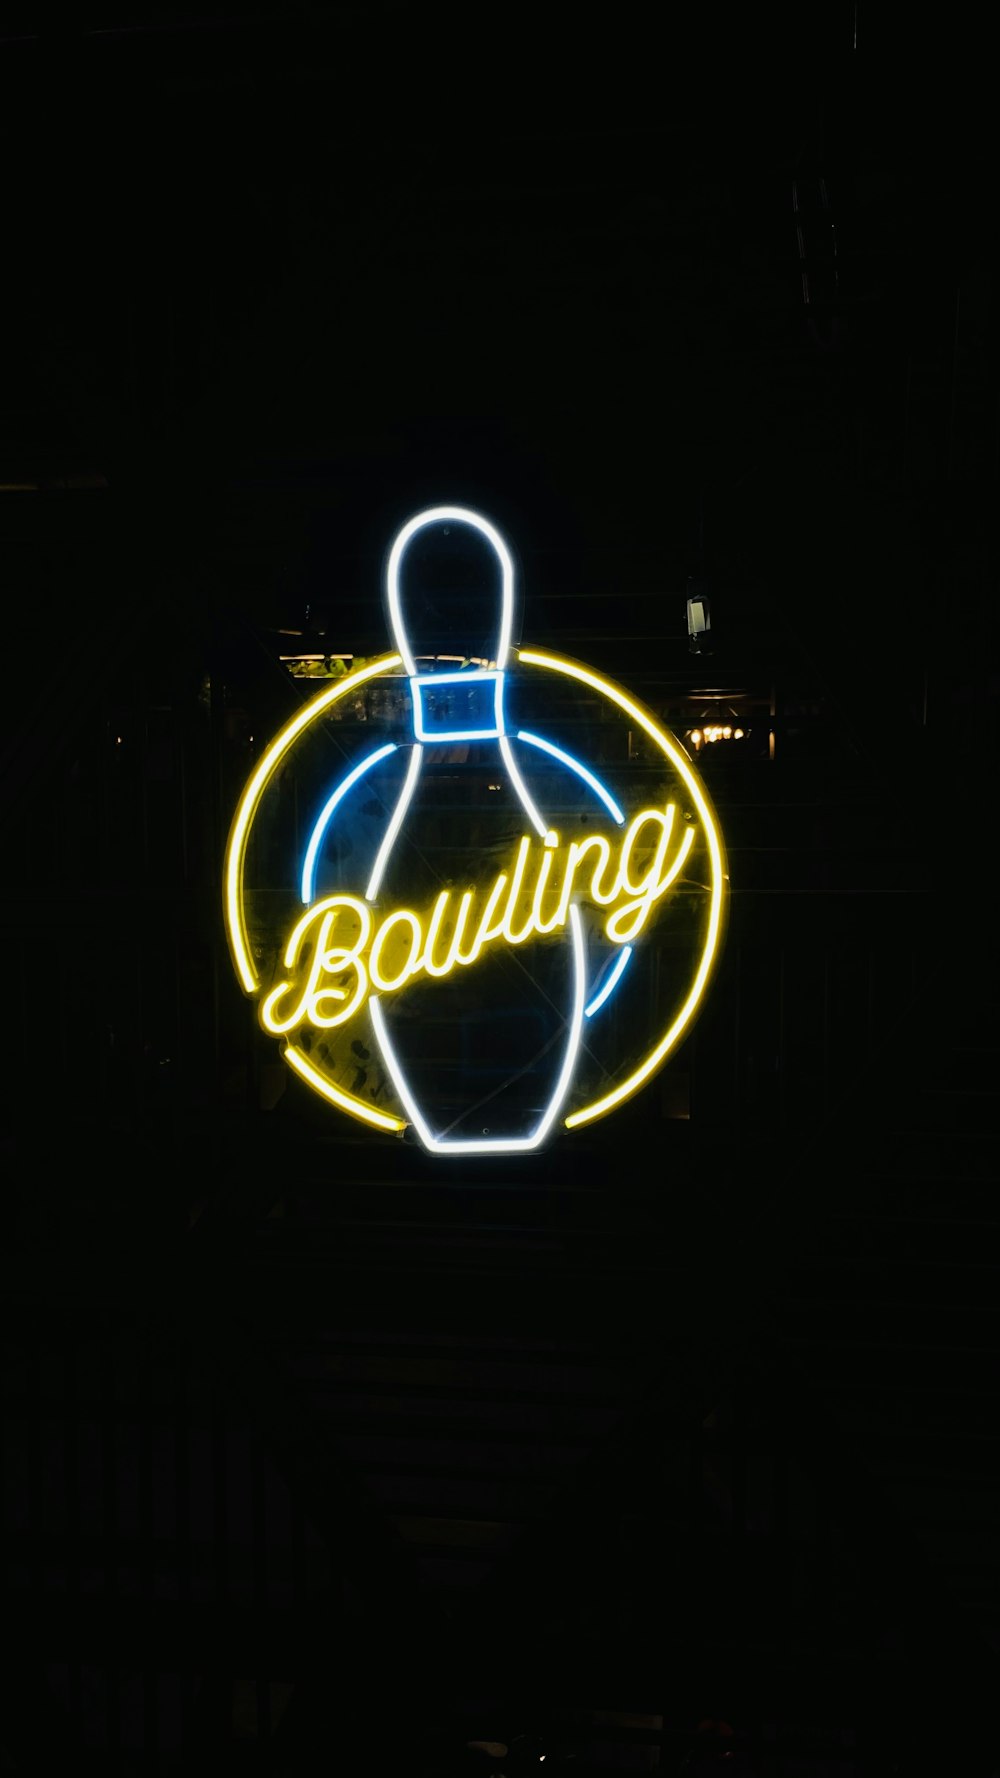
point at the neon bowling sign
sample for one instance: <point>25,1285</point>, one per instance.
<point>455,924</point>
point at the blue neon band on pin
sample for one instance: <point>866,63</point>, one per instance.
<point>485,731</point>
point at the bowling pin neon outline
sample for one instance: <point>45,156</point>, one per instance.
<point>420,521</point>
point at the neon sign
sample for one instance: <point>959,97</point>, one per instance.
<point>453,925</point>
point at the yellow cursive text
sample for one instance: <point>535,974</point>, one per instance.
<point>339,949</point>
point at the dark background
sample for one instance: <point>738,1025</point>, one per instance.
<point>675,1446</point>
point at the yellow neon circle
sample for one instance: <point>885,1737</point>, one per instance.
<point>235,919</point>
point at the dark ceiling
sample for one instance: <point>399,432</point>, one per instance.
<point>678,1448</point>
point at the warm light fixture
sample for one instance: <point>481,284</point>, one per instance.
<point>719,723</point>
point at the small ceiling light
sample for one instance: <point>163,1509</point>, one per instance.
<point>699,624</point>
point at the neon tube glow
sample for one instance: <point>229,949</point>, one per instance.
<point>620,886</point>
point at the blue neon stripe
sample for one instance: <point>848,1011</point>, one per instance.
<point>614,977</point>
<point>580,770</point>
<point>319,831</point>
